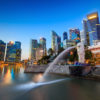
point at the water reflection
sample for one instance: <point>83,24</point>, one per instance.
<point>37,77</point>
<point>7,74</point>
<point>14,74</point>
<point>14,82</point>
<point>7,77</point>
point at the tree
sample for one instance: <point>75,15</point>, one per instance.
<point>88,54</point>
<point>44,60</point>
<point>50,51</point>
<point>73,56</point>
<point>60,50</point>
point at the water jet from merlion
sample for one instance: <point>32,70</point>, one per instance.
<point>56,66</point>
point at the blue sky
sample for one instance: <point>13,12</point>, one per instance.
<point>22,20</point>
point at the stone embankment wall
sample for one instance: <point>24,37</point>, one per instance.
<point>57,69</point>
<point>36,69</point>
<point>60,69</point>
<point>96,72</point>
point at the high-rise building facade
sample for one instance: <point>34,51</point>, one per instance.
<point>13,52</point>
<point>56,42</point>
<point>68,43</point>
<point>34,46</point>
<point>42,43</point>
<point>65,36</point>
<point>93,27</point>
<point>2,50</point>
<point>39,53</point>
<point>37,48</point>
<point>18,51</point>
<point>85,34</point>
<point>61,44</point>
<point>75,34</point>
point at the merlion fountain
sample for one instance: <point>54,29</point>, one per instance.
<point>54,67</point>
<point>57,66</point>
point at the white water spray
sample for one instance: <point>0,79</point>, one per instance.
<point>59,58</point>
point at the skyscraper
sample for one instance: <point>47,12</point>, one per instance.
<point>53,42</point>
<point>93,27</point>
<point>65,36</point>
<point>56,42</point>
<point>18,51</point>
<point>85,34</point>
<point>13,52</point>
<point>43,44</point>
<point>34,45</point>
<point>39,53</point>
<point>2,50</point>
<point>68,43</point>
<point>75,34</point>
<point>59,41</point>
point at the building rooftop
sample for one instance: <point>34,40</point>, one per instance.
<point>92,15</point>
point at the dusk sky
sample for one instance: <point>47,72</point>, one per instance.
<point>23,20</point>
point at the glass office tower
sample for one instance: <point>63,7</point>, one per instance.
<point>85,34</point>
<point>18,51</point>
<point>2,50</point>
<point>53,42</point>
<point>56,42</point>
<point>75,34</point>
<point>34,45</point>
<point>65,36</point>
<point>93,27</point>
<point>13,52</point>
<point>42,42</point>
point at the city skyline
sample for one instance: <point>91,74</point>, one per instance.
<point>26,26</point>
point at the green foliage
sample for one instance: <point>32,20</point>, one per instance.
<point>88,54</point>
<point>60,50</point>
<point>44,60</point>
<point>50,51</point>
<point>73,57</point>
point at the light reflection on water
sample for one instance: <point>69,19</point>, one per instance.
<point>16,85</point>
<point>14,82</point>
<point>15,74</point>
<point>7,77</point>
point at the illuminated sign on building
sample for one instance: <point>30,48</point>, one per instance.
<point>92,16</point>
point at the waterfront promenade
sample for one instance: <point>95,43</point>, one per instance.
<point>61,70</point>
